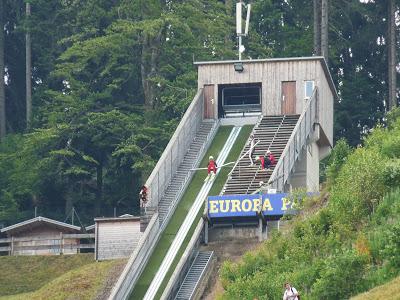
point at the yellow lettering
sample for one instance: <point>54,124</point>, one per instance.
<point>267,205</point>
<point>256,206</point>
<point>235,206</point>
<point>213,206</point>
<point>285,203</point>
<point>246,205</point>
<point>224,208</point>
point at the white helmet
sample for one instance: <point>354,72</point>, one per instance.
<point>268,152</point>
<point>211,157</point>
<point>261,183</point>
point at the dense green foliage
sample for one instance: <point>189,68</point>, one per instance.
<point>111,79</point>
<point>352,243</point>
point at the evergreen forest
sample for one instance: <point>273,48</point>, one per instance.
<point>94,89</point>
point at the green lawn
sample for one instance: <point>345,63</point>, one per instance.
<point>21,274</point>
<point>85,282</point>
<point>185,205</point>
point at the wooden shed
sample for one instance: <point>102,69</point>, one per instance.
<point>41,236</point>
<point>116,237</point>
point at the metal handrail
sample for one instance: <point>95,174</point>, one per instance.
<point>237,161</point>
<point>135,266</point>
<point>297,141</point>
<point>270,144</point>
<point>188,177</point>
<point>180,140</point>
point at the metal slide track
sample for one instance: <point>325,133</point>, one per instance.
<point>187,223</point>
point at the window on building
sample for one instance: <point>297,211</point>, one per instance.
<point>308,88</point>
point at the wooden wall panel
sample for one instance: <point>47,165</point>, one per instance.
<point>271,73</point>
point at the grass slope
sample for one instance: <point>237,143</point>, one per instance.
<point>185,205</point>
<point>85,282</point>
<point>390,290</point>
<point>21,274</point>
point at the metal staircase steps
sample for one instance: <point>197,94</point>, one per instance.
<point>179,178</point>
<point>273,133</point>
<point>194,275</point>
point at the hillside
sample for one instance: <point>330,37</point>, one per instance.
<point>390,290</point>
<point>56,277</point>
<point>344,242</point>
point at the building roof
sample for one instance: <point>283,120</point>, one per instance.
<point>319,58</point>
<point>121,218</point>
<point>90,227</point>
<point>28,224</point>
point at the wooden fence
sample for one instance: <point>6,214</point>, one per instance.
<point>64,243</point>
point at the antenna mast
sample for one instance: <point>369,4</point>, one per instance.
<point>239,30</point>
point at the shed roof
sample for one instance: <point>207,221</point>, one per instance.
<point>29,224</point>
<point>318,58</point>
<point>118,219</point>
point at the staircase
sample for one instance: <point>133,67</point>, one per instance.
<point>273,132</point>
<point>194,275</point>
<point>178,181</point>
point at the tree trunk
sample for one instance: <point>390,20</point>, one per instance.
<point>324,29</point>
<point>2,85</point>
<point>148,66</point>
<point>28,71</point>
<point>392,55</point>
<point>317,27</point>
<point>99,190</point>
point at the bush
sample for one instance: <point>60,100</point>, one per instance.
<point>336,159</point>
<point>341,277</point>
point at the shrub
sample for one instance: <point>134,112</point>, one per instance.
<point>341,276</point>
<point>336,159</point>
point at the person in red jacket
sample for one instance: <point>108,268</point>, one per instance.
<point>269,160</point>
<point>212,165</point>
<point>143,195</point>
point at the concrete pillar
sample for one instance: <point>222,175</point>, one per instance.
<point>206,232</point>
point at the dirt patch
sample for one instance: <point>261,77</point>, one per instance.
<point>225,250</point>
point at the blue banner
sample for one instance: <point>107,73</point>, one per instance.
<point>248,205</point>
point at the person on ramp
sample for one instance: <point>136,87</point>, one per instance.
<point>211,168</point>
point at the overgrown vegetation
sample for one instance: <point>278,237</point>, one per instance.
<point>349,245</point>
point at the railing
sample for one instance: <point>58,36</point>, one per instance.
<point>175,151</point>
<point>237,163</point>
<point>297,141</point>
<point>189,176</point>
<point>270,144</point>
<point>46,244</point>
<point>184,263</point>
<point>137,261</point>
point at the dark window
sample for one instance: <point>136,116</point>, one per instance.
<point>241,95</point>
